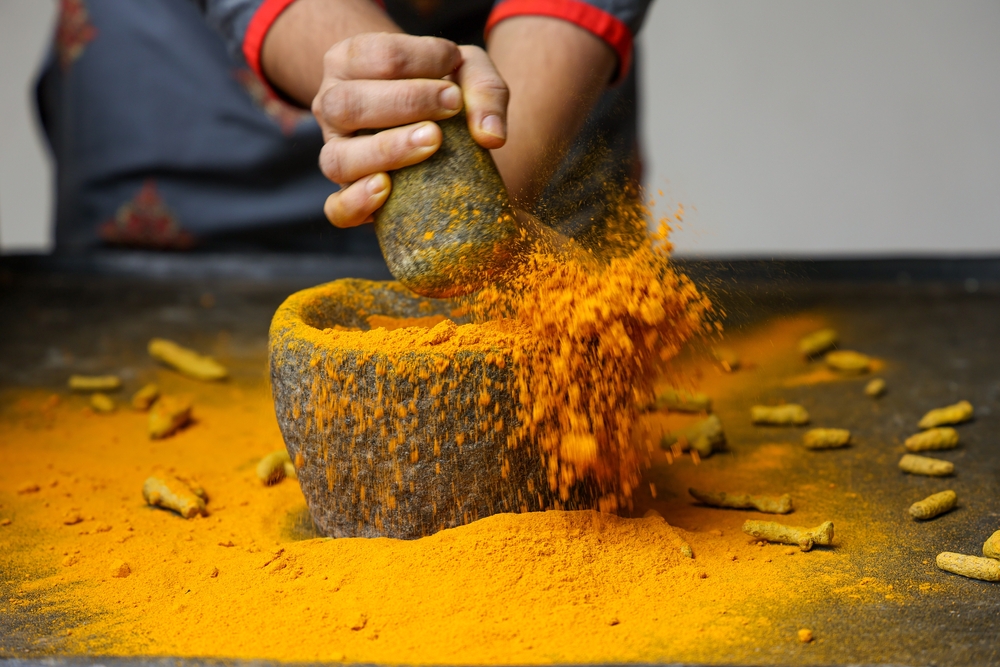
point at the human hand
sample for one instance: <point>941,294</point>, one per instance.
<point>374,81</point>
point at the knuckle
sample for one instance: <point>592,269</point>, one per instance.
<point>491,92</point>
<point>331,162</point>
<point>391,146</point>
<point>388,61</point>
<point>339,107</point>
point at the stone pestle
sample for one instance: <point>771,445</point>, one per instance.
<point>448,228</point>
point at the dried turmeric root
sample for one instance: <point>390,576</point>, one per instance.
<point>934,505</point>
<point>167,415</point>
<point>805,538</point>
<point>953,414</point>
<point>188,362</point>
<point>175,495</point>
<point>275,467</point>
<point>768,504</point>
<point>145,397</point>
<point>94,382</point>
<point>973,567</point>
<point>848,361</point>
<point>826,438</point>
<point>818,342</point>
<point>678,400</point>
<point>102,403</point>
<point>875,388</point>
<point>704,437</point>
<point>925,465</point>
<point>727,359</point>
<point>790,414</point>
<point>991,548</point>
<point>943,437</point>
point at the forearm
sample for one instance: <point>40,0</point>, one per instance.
<point>555,71</point>
<point>292,53</point>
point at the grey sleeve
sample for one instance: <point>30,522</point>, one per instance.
<point>231,18</point>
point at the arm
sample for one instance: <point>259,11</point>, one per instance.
<point>350,61</point>
<point>291,56</point>
<point>555,71</point>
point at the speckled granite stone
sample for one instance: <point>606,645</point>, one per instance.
<point>400,472</point>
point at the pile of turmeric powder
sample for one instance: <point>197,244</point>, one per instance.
<point>92,569</point>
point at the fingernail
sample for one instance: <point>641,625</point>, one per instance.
<point>376,184</point>
<point>450,98</point>
<point>423,135</point>
<point>493,125</point>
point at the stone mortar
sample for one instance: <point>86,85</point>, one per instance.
<point>418,466</point>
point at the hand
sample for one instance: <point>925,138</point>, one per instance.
<point>387,80</point>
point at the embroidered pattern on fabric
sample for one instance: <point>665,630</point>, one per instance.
<point>146,222</point>
<point>285,115</point>
<point>73,32</point>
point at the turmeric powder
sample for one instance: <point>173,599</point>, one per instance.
<point>489,593</point>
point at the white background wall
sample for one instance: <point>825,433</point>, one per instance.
<point>785,127</point>
<point>25,172</point>
<point>815,127</point>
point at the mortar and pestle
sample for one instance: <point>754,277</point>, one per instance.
<point>378,453</point>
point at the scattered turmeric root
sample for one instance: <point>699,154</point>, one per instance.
<point>275,467</point>
<point>952,414</point>
<point>790,414</point>
<point>94,382</point>
<point>188,362</point>
<point>145,397</point>
<point>769,504</point>
<point>826,438</point>
<point>943,437</point>
<point>805,538</point>
<point>678,400</point>
<point>704,437</point>
<point>875,388</point>
<point>848,361</point>
<point>933,505</point>
<point>818,342</point>
<point>991,548</point>
<point>174,494</point>
<point>727,359</point>
<point>973,567</point>
<point>167,415</point>
<point>925,465</point>
<point>102,403</point>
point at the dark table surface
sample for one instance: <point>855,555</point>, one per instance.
<point>937,319</point>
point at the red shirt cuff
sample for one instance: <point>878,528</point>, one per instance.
<point>257,30</point>
<point>590,18</point>
<point>260,24</point>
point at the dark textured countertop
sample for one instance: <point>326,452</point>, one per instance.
<point>938,320</point>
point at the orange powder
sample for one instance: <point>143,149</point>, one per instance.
<point>392,323</point>
<point>251,581</point>
<point>599,334</point>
